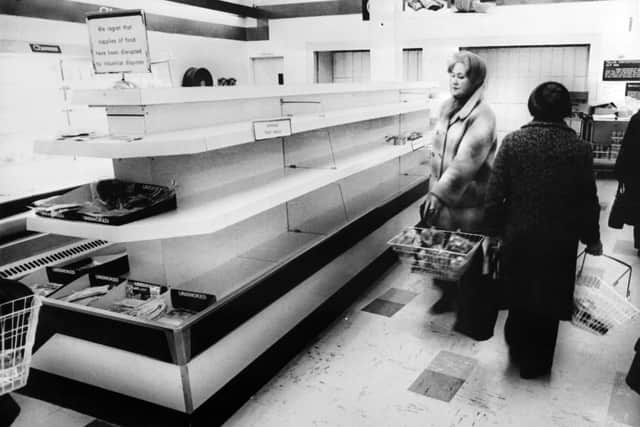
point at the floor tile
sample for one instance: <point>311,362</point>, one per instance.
<point>624,247</point>
<point>452,364</point>
<point>399,296</point>
<point>67,418</point>
<point>32,411</point>
<point>383,308</point>
<point>436,385</point>
<point>624,406</point>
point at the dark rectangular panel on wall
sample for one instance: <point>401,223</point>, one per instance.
<point>259,32</point>
<point>626,69</point>
<point>225,6</point>
<point>316,8</point>
<point>632,90</point>
<point>64,10</point>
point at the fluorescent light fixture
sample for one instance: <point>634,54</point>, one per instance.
<point>176,10</point>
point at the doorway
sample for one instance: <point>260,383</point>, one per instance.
<point>268,71</point>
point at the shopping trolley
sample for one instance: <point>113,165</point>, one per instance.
<point>598,305</point>
<point>442,254</point>
<point>18,322</point>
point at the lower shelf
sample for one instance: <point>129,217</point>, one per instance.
<point>181,369</point>
<point>259,261</point>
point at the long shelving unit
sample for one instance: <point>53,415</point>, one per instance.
<point>255,217</point>
<point>191,141</point>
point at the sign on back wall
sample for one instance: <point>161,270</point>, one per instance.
<point>628,69</point>
<point>119,42</point>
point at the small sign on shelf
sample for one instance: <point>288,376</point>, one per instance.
<point>267,129</point>
<point>417,144</point>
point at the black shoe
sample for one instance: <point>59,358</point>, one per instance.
<point>443,305</point>
<point>530,372</point>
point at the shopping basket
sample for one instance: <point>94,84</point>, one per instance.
<point>598,305</point>
<point>440,253</point>
<point>18,322</point>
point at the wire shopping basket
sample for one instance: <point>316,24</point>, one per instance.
<point>598,306</point>
<point>18,322</point>
<point>440,253</point>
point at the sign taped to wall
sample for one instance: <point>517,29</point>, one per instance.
<point>628,69</point>
<point>119,42</point>
<point>632,90</point>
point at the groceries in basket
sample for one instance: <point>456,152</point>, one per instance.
<point>598,306</point>
<point>441,253</point>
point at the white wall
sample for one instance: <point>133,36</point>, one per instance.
<point>602,24</point>
<point>224,58</point>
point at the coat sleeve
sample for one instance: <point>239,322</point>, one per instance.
<point>590,206</point>
<point>473,149</point>
<point>631,136</point>
<point>498,192</point>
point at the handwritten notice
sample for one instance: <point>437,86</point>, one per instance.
<point>266,129</point>
<point>119,42</point>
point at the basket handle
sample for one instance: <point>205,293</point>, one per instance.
<point>628,269</point>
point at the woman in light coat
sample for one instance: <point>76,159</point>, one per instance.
<point>463,149</point>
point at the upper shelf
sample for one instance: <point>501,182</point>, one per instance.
<point>198,140</point>
<point>212,94</point>
<point>203,214</point>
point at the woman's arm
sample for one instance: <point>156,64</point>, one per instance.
<point>473,149</point>
<point>590,206</point>
<point>631,136</point>
<point>498,192</point>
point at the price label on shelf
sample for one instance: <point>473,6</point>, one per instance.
<point>417,144</point>
<point>266,129</point>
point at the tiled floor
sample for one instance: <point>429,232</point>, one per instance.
<point>387,362</point>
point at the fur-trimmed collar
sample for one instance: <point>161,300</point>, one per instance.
<point>468,106</point>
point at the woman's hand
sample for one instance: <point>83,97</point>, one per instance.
<point>594,248</point>
<point>431,208</point>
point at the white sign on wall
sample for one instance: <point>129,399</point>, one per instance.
<point>119,42</point>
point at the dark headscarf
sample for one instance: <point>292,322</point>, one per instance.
<point>476,72</point>
<point>550,102</point>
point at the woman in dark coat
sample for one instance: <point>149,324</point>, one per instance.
<point>542,200</point>
<point>628,173</point>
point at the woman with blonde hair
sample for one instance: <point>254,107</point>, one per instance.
<point>462,155</point>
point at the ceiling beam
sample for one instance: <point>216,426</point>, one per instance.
<point>225,6</point>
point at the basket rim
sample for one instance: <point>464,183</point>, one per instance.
<point>34,304</point>
<point>480,237</point>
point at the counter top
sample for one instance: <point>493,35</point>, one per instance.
<point>151,96</point>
